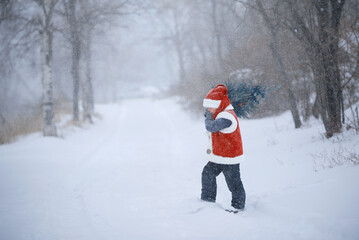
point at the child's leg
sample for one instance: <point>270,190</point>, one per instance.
<point>235,185</point>
<point>209,184</point>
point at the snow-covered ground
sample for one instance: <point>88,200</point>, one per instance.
<point>136,174</point>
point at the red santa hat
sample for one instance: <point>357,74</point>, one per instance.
<point>217,98</point>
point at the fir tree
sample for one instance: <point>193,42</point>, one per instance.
<point>245,97</point>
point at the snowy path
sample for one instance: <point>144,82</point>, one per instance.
<point>136,175</point>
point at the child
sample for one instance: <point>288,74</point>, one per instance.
<point>225,151</point>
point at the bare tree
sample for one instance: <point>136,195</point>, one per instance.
<point>46,30</point>
<point>86,79</point>
<point>172,17</point>
<point>273,28</point>
<point>85,62</point>
<point>83,17</point>
<point>71,14</point>
<point>316,26</point>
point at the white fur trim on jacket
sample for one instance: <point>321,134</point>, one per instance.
<point>229,107</point>
<point>229,116</point>
<point>225,160</point>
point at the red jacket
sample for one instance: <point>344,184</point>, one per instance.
<point>226,144</point>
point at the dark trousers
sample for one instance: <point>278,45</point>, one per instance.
<point>233,180</point>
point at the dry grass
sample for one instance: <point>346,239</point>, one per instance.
<point>21,125</point>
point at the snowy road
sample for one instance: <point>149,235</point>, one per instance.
<point>136,175</point>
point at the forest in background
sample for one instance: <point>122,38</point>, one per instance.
<point>308,49</point>
<point>49,50</point>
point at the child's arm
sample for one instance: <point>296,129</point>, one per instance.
<point>216,125</point>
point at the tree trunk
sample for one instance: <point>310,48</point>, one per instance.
<point>181,65</point>
<point>320,90</point>
<point>217,35</point>
<point>87,90</point>
<point>280,66</point>
<point>305,97</point>
<point>76,50</point>
<point>315,108</point>
<point>285,80</point>
<point>46,60</point>
<point>177,41</point>
<point>329,39</point>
